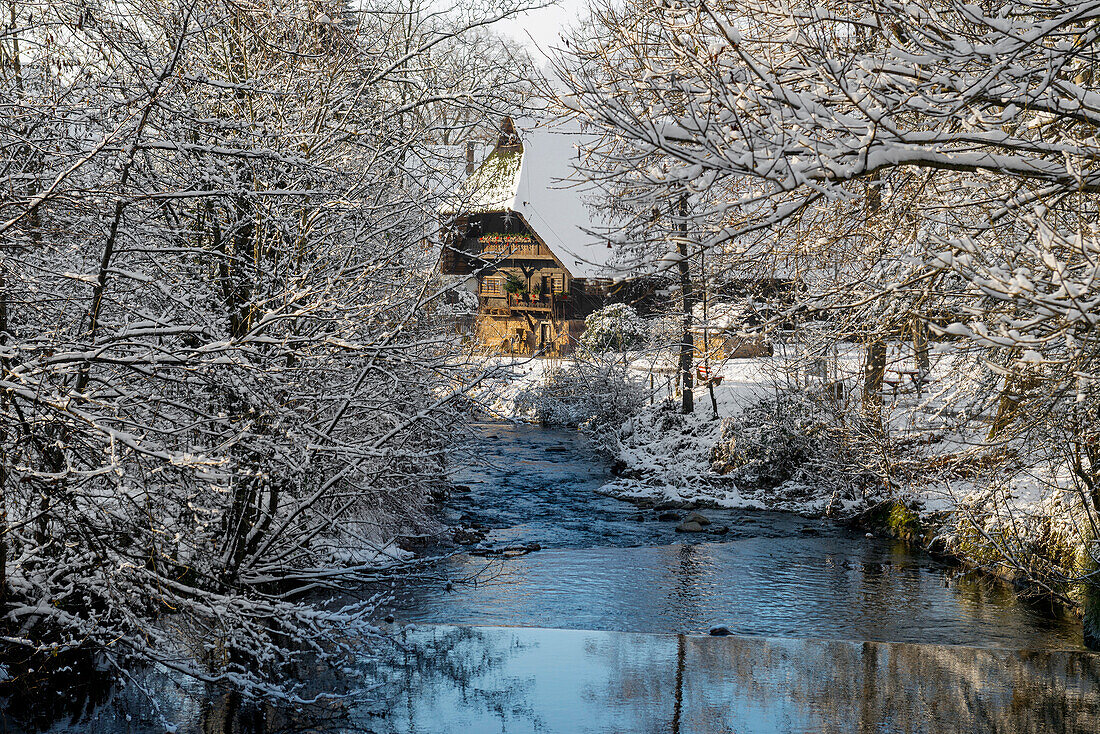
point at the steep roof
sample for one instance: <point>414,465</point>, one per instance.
<point>493,186</point>
<point>538,180</point>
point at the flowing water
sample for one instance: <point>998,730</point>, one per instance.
<point>575,612</point>
<point>606,565</point>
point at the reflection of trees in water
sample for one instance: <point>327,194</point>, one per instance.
<point>640,682</point>
<point>72,692</point>
<point>985,596</point>
<point>686,577</point>
<point>682,684</point>
<point>844,687</point>
<point>700,684</point>
<point>884,576</point>
<point>42,690</point>
<point>435,663</point>
<point>643,683</point>
<point>69,692</point>
<point>685,568</point>
<point>678,695</point>
<point>225,713</point>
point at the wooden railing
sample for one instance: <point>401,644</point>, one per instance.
<point>555,303</point>
<point>506,250</point>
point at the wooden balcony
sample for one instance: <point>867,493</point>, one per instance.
<point>555,305</point>
<point>520,251</point>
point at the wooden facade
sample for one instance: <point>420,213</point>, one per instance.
<point>528,301</point>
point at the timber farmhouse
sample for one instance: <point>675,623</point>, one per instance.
<point>522,240</point>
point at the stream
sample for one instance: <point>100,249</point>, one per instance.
<point>563,610</point>
<point>606,565</point>
<point>605,627</point>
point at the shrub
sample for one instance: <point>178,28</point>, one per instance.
<point>790,440</point>
<point>613,328</point>
<point>514,285</point>
<point>591,393</point>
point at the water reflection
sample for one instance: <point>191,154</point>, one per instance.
<point>72,693</point>
<point>439,680</point>
<point>520,680</point>
<point>799,587</point>
<point>39,690</point>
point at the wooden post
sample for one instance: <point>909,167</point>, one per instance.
<point>922,362</point>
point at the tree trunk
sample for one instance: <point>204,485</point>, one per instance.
<point>921,359</point>
<point>3,449</point>
<point>713,399</point>
<point>706,336</point>
<point>33,163</point>
<point>874,371</point>
<point>873,374</point>
<point>687,343</point>
<point>1090,596</point>
<point>3,530</point>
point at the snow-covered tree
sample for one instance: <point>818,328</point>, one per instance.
<point>959,138</point>
<point>222,386</point>
<point>616,327</point>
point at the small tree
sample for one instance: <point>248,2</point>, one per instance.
<point>616,327</point>
<point>514,285</point>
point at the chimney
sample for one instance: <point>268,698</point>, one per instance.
<point>508,140</point>
<point>469,157</point>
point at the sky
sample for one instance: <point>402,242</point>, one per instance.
<point>540,28</point>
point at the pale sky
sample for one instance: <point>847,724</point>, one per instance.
<point>542,27</point>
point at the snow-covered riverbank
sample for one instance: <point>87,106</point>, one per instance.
<point>662,454</point>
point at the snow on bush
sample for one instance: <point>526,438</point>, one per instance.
<point>786,446</point>
<point>769,445</point>
<point>613,328</point>
<point>593,393</point>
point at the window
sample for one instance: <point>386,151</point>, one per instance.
<point>492,286</point>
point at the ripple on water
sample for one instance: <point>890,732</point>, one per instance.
<point>602,570</point>
<point>816,588</point>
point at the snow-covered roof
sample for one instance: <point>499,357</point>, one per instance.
<point>492,187</point>
<point>540,182</point>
